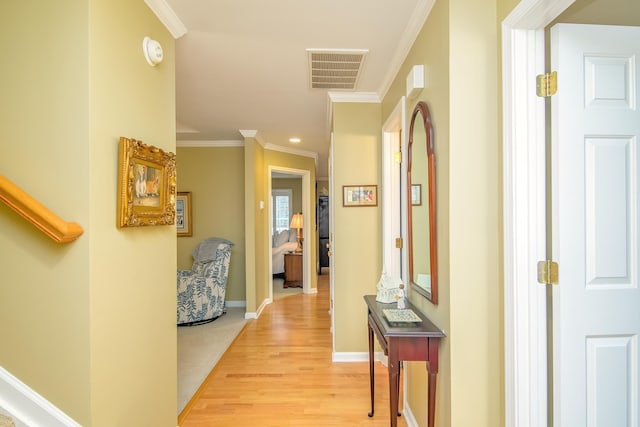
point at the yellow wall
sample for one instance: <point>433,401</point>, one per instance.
<point>215,178</point>
<point>357,251</point>
<point>44,115</point>
<point>458,46</point>
<point>228,183</point>
<point>86,324</point>
<point>132,271</point>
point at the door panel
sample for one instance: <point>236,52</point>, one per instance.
<point>596,305</point>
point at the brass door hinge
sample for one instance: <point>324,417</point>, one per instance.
<point>548,272</point>
<point>547,84</point>
<point>399,242</point>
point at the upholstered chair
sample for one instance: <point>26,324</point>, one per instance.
<point>201,290</point>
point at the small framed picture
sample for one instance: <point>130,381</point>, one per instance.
<point>359,195</point>
<point>183,214</point>
<point>416,194</point>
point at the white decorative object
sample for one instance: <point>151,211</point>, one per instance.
<point>388,289</point>
<point>152,51</point>
<point>404,316</point>
<point>402,299</point>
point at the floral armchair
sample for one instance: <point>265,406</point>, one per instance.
<point>201,290</point>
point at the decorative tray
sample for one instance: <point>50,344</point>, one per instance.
<point>401,316</point>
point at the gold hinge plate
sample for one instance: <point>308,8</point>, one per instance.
<point>399,242</point>
<point>397,157</point>
<point>548,272</point>
<point>547,84</point>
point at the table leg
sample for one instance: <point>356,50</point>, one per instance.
<point>394,384</point>
<point>371,369</point>
<point>432,369</point>
<point>398,388</point>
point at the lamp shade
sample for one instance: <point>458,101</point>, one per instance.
<point>296,221</point>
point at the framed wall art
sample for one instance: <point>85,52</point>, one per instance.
<point>359,195</point>
<point>416,194</point>
<point>183,214</point>
<point>146,185</point>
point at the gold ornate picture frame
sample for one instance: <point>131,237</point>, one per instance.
<point>146,185</point>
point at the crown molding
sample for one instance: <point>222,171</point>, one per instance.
<point>248,133</point>
<point>251,133</point>
<point>215,144</point>
<point>296,151</point>
<point>371,97</point>
<point>168,17</point>
<point>413,28</point>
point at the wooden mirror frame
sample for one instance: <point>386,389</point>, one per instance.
<point>423,109</point>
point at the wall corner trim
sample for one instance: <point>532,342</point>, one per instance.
<point>168,17</point>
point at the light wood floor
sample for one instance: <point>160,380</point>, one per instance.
<point>278,372</point>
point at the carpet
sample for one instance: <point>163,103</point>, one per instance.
<point>201,347</point>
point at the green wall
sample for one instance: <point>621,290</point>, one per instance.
<point>215,178</point>
<point>90,325</point>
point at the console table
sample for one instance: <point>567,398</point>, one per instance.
<point>403,341</point>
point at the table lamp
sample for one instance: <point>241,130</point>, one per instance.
<point>296,222</point>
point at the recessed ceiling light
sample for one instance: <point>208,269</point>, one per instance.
<point>294,140</point>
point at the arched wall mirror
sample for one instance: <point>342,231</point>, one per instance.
<point>421,200</point>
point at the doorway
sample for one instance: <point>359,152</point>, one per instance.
<point>301,200</point>
<point>525,301</point>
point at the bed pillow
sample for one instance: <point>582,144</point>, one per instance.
<point>293,235</point>
<point>281,238</point>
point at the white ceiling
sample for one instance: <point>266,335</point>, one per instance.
<point>243,65</point>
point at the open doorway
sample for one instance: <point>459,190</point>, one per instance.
<point>289,263</point>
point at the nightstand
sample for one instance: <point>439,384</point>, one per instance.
<point>293,270</point>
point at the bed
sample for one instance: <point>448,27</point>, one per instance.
<point>283,242</point>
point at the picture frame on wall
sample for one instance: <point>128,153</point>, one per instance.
<point>416,194</point>
<point>146,185</point>
<point>183,214</point>
<point>359,195</point>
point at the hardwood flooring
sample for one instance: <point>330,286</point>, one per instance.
<point>278,372</point>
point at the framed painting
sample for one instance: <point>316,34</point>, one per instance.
<point>359,195</point>
<point>183,214</point>
<point>416,194</point>
<point>146,185</point>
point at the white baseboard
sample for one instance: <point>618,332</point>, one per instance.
<point>255,315</point>
<point>27,407</point>
<point>408,416</point>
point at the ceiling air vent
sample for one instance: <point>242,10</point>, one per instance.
<point>335,69</point>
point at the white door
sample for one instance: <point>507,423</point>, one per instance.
<point>596,225</point>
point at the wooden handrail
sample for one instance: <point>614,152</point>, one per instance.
<point>38,214</point>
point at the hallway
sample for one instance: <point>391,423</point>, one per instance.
<point>278,372</point>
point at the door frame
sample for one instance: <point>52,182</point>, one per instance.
<point>305,175</point>
<point>393,213</point>
<point>524,215</point>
